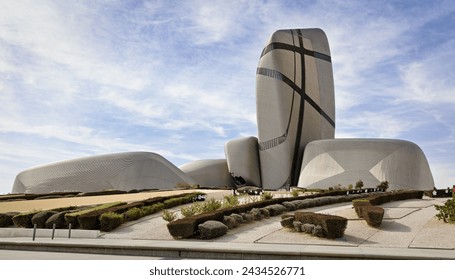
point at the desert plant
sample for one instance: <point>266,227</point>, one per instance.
<point>446,211</point>
<point>266,196</point>
<point>210,205</point>
<point>190,210</point>
<point>169,216</point>
<point>230,201</point>
<point>359,184</point>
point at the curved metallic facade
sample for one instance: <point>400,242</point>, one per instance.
<point>209,172</point>
<point>295,101</point>
<point>123,171</point>
<point>327,163</point>
<point>243,159</point>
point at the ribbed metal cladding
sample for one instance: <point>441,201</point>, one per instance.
<point>294,105</point>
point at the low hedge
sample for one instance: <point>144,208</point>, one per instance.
<point>365,207</point>
<point>24,220</point>
<point>188,227</point>
<point>72,218</point>
<point>110,221</point>
<point>176,201</point>
<point>439,192</point>
<point>381,198</point>
<point>373,215</point>
<point>332,226</point>
<point>396,195</point>
<point>58,219</point>
<point>133,214</point>
<point>359,204</point>
<point>104,192</point>
<point>33,196</point>
<point>40,218</point>
<point>91,220</point>
<point>6,219</point>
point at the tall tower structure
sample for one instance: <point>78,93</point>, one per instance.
<point>295,102</point>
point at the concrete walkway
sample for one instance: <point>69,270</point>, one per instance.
<point>409,231</point>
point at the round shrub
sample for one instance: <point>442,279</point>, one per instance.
<point>308,228</point>
<point>265,212</point>
<point>6,219</point>
<point>238,218</point>
<point>230,222</point>
<point>289,205</point>
<point>58,219</point>
<point>247,217</point>
<point>318,231</point>
<point>256,214</point>
<point>287,222</point>
<point>212,229</point>
<point>39,219</point>
<point>24,220</point>
<point>297,226</point>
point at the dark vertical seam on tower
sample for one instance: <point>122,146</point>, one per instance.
<point>293,90</point>
<point>301,115</point>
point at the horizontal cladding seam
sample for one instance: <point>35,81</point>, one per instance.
<point>301,51</point>
<point>280,76</point>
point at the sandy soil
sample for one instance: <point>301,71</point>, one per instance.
<point>44,204</point>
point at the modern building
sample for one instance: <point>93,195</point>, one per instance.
<point>330,163</point>
<point>295,105</point>
<point>295,102</point>
<point>123,171</point>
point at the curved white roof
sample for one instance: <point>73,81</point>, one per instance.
<point>122,171</point>
<point>327,163</point>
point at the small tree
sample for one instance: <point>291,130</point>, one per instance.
<point>384,185</point>
<point>359,184</point>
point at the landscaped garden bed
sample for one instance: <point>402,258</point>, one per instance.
<point>320,225</point>
<point>367,207</point>
<point>188,227</point>
<point>104,217</point>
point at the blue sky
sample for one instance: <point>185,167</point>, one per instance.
<point>80,78</point>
